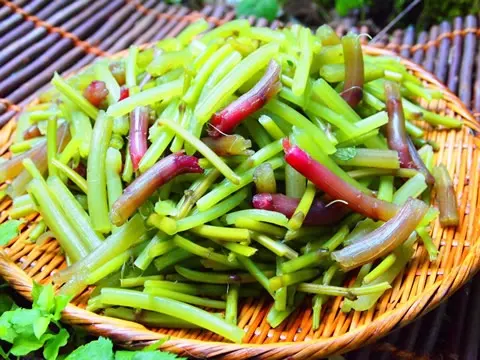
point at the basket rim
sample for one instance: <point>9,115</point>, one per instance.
<point>132,334</point>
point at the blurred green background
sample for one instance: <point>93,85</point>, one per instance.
<point>376,14</point>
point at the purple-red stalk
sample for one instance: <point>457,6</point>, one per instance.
<point>418,163</point>
<point>319,213</point>
<point>139,118</point>
<point>354,77</point>
<point>148,182</point>
<point>396,131</point>
<point>384,239</point>
<point>96,93</point>
<point>335,187</point>
<point>225,121</point>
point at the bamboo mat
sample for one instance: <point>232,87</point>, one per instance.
<point>39,37</point>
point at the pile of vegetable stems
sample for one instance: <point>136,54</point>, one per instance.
<point>231,163</point>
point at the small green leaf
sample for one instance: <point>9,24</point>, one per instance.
<point>259,8</point>
<point>155,345</point>
<point>124,355</point>
<point>23,319</point>
<point>40,326</point>
<point>154,355</point>
<point>43,297</point>
<point>50,352</point>
<point>61,301</point>
<point>36,290</point>
<point>98,349</point>
<point>7,333</point>
<point>8,231</point>
<point>25,345</point>
<point>345,154</point>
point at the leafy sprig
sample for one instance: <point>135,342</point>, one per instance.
<point>39,329</point>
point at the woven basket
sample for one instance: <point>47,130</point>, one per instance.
<point>417,290</point>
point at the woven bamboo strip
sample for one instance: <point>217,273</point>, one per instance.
<point>27,26</point>
<point>408,40</point>
<point>456,55</point>
<point>105,34</point>
<point>20,42</point>
<point>51,28</point>
<point>53,52</point>
<point>15,18</point>
<point>443,51</point>
<point>42,44</point>
<point>146,10</point>
<point>142,25</point>
<point>465,91</point>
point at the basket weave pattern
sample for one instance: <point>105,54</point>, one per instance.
<point>418,289</point>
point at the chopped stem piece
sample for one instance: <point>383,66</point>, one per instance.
<point>447,199</point>
<point>146,184</point>
<point>384,239</point>
<point>225,121</point>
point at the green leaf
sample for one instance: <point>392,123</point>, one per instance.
<point>155,355</point>
<point>40,326</point>
<point>259,8</point>
<point>43,297</point>
<point>155,345</point>
<point>61,301</point>
<point>23,319</point>
<point>8,231</point>
<point>98,349</point>
<point>24,345</point>
<point>345,153</point>
<point>50,352</point>
<point>7,333</point>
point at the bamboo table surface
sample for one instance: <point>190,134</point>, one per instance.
<point>39,37</point>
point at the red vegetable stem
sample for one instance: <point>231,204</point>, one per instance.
<point>96,92</point>
<point>146,184</point>
<point>383,240</point>
<point>418,162</point>
<point>124,93</point>
<point>335,187</point>
<point>354,76</point>
<point>319,214</point>
<point>138,134</point>
<point>396,131</point>
<point>267,87</point>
